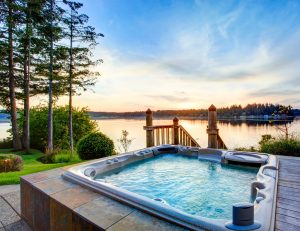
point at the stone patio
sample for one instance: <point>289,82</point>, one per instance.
<point>10,211</point>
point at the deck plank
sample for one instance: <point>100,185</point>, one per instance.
<point>288,195</point>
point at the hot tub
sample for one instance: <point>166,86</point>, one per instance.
<point>192,187</point>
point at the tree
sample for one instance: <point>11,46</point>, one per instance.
<point>50,33</point>
<point>283,112</point>
<point>125,141</point>
<point>10,16</point>
<point>78,32</point>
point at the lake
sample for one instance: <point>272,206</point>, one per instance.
<point>234,133</point>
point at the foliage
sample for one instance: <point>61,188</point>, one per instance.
<point>223,112</point>
<point>6,143</point>
<point>95,145</point>
<point>82,125</point>
<point>283,111</point>
<point>65,156</point>
<point>10,163</point>
<point>280,146</point>
<point>31,165</point>
<point>125,141</point>
<point>246,149</point>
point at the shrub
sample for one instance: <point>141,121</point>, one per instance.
<point>82,125</point>
<point>95,145</point>
<point>10,163</point>
<point>65,156</point>
<point>6,143</point>
<point>280,146</point>
<point>246,149</point>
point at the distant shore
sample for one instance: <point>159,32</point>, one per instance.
<point>245,118</point>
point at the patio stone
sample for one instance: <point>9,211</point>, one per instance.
<point>18,226</point>
<point>7,214</point>
<point>79,224</point>
<point>54,185</point>
<point>103,211</point>
<point>139,221</point>
<point>13,199</point>
<point>4,189</point>
<point>27,201</point>
<point>41,176</point>
<point>60,217</point>
<point>41,211</point>
<point>75,196</point>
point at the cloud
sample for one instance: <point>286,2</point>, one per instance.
<point>275,92</point>
<point>210,53</point>
<point>170,98</point>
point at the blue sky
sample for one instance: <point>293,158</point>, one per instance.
<point>173,54</point>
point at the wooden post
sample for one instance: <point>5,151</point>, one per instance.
<point>175,131</point>
<point>212,129</point>
<point>149,132</point>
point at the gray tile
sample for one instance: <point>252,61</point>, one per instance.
<point>13,199</point>
<point>75,196</point>
<point>41,176</point>
<point>4,189</point>
<point>7,214</point>
<point>18,226</point>
<point>54,185</point>
<point>11,220</point>
<point>139,221</point>
<point>103,211</point>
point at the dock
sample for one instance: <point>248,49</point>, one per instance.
<point>288,195</point>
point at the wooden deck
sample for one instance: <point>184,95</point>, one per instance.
<point>288,195</point>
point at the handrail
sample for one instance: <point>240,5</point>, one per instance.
<point>165,134</point>
<point>221,143</point>
<point>188,140</point>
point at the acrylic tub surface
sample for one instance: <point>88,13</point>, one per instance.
<point>190,188</point>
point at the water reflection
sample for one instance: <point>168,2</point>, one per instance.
<point>234,133</point>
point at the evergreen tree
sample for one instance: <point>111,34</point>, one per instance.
<point>11,17</point>
<point>79,74</point>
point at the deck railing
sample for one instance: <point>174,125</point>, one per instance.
<point>167,134</point>
<point>221,144</point>
<point>176,134</point>
<point>171,134</point>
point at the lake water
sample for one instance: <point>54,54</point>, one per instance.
<point>235,133</point>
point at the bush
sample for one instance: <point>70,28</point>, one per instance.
<point>82,125</point>
<point>6,143</point>
<point>10,163</point>
<point>95,145</point>
<point>246,149</point>
<point>65,156</point>
<point>280,146</point>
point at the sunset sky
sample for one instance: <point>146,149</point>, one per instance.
<point>172,54</point>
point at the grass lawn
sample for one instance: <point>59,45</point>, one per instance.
<point>31,165</point>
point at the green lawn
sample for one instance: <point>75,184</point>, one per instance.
<point>31,165</point>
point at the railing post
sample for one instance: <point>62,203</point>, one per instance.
<point>212,129</point>
<point>149,132</point>
<point>175,131</point>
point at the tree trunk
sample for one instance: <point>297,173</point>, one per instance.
<point>26,128</point>
<point>50,104</point>
<point>70,86</point>
<point>17,145</point>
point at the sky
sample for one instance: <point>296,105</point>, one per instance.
<point>180,54</point>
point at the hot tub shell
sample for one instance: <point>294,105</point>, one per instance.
<point>264,187</point>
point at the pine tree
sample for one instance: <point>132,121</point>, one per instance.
<point>79,74</point>
<point>10,73</point>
